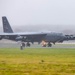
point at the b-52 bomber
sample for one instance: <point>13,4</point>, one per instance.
<point>26,37</point>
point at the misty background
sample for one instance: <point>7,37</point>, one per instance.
<point>39,15</point>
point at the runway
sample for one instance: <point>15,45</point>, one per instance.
<point>11,44</point>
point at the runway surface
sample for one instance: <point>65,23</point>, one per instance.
<point>11,44</point>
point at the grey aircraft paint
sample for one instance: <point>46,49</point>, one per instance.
<point>50,37</point>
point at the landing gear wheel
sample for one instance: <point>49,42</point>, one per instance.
<point>28,44</point>
<point>44,45</point>
<point>49,44</point>
<point>22,45</point>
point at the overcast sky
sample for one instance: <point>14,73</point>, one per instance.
<point>53,15</point>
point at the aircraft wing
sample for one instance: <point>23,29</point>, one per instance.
<point>27,37</point>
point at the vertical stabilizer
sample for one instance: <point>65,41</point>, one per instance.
<point>6,26</point>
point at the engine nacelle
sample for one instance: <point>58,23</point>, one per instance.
<point>1,37</point>
<point>22,38</point>
<point>70,37</point>
<point>19,38</point>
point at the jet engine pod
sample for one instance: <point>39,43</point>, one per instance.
<point>0,37</point>
<point>69,37</point>
<point>20,38</point>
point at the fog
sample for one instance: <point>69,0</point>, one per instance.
<point>39,15</point>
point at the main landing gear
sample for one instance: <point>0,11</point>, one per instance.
<point>23,45</point>
<point>49,44</point>
<point>46,44</point>
<point>28,44</point>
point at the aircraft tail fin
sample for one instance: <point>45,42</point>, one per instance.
<point>6,26</point>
